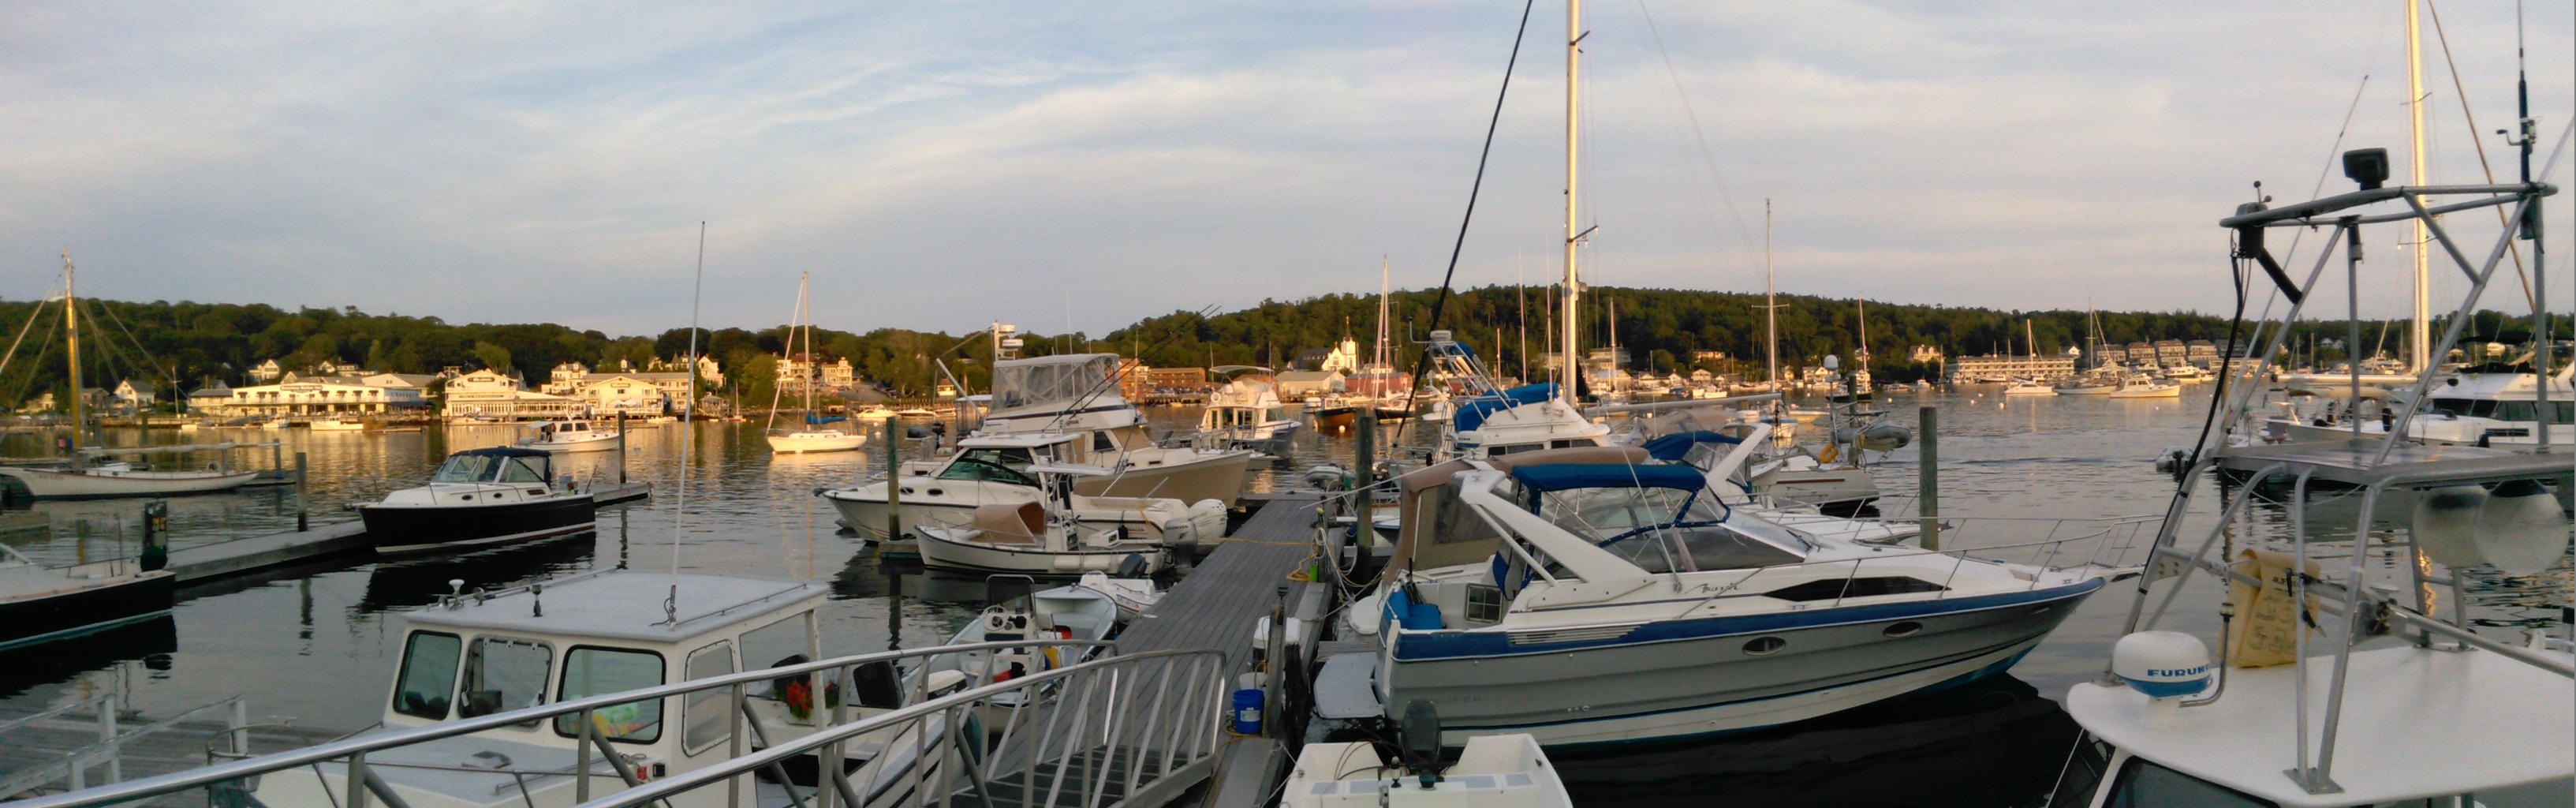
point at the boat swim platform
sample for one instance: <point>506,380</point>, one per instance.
<point>250,554</point>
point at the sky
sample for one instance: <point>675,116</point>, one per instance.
<point>1078,166</point>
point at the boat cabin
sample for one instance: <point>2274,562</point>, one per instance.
<point>477,654</point>
<point>498,464</point>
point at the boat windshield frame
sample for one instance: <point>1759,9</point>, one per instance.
<point>1059,381</point>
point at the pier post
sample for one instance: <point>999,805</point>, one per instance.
<point>1364,439</point>
<point>303,520</point>
<point>894,477</point>
<point>621,450</point>
<point>1928,478</point>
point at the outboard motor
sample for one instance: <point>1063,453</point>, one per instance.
<point>1420,735</point>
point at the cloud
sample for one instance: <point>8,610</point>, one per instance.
<point>940,165</point>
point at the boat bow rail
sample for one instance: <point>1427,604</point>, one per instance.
<point>364,785</point>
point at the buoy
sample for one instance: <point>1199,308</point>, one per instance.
<point>2521,531</point>
<point>2446,525</point>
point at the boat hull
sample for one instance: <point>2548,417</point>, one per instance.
<point>571,446</point>
<point>1218,477</point>
<point>49,484</point>
<point>944,552</point>
<point>1696,677</point>
<point>865,510</point>
<point>422,528</point>
<point>74,611</point>
<point>808,442</point>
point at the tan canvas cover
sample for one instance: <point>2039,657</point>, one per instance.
<point>1413,550</point>
<point>1011,523</point>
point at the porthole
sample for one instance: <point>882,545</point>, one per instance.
<point>1760,646</point>
<point>1903,628</point>
<point>937,492</point>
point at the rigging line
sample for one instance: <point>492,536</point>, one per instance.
<point>2519,272</point>
<point>680,513</point>
<point>30,325</point>
<point>140,351</point>
<point>1440,303</point>
<point>1744,237</point>
<point>44,347</point>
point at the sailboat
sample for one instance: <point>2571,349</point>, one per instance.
<point>812,434</point>
<point>1389,391</point>
<point>91,475</point>
<point>2096,380</point>
<point>2030,386</point>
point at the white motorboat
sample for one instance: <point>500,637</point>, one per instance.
<point>337,425</point>
<point>482,653</point>
<point>1246,414</point>
<point>477,498</point>
<point>2347,673</point>
<point>39,604</point>
<point>1012,611</point>
<point>1049,537</point>
<point>1063,410</point>
<point>2029,387</point>
<point>815,433</point>
<point>1494,771</point>
<point>1659,613</point>
<point>1132,593</point>
<point>2090,384</point>
<point>2139,386</point>
<point>572,435</point>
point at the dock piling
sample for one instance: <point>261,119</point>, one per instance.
<point>303,521</point>
<point>1928,476</point>
<point>621,450</point>
<point>894,477</point>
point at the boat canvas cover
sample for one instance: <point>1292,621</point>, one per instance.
<point>1678,445</point>
<point>1473,412</point>
<point>1440,531</point>
<point>1054,382</point>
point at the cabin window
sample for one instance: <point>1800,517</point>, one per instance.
<point>464,469</point>
<point>428,675</point>
<point>1101,442</point>
<point>504,674</point>
<point>705,712</point>
<point>782,642</point>
<point>597,671</point>
<point>2147,785</point>
<point>1722,547</point>
<point>1839,588</point>
<point>1484,603</point>
<point>1003,466</point>
<point>519,470</point>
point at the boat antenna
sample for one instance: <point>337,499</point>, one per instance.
<point>1440,303</point>
<point>680,518</point>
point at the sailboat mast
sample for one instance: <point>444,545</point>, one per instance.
<point>2423,329</point>
<point>71,340</point>
<point>1770,301</point>
<point>1382,288</point>
<point>1573,279</point>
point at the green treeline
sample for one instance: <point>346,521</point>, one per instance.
<point>187,345</point>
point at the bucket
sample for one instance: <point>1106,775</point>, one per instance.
<point>1247,711</point>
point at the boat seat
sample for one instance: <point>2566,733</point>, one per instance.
<point>1018,523</point>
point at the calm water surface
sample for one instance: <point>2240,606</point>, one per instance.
<point>314,644</point>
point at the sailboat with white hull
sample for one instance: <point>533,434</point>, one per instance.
<point>93,477</point>
<point>812,434</point>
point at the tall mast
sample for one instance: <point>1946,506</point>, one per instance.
<point>1573,279</point>
<point>1770,300</point>
<point>71,340</point>
<point>1381,360</point>
<point>2423,332</point>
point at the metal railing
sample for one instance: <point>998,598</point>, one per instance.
<point>74,766</point>
<point>2102,544</point>
<point>1132,729</point>
<point>361,784</point>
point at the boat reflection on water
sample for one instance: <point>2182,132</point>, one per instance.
<point>419,582</point>
<point>1995,742</point>
<point>151,641</point>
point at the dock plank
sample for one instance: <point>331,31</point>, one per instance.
<point>251,553</point>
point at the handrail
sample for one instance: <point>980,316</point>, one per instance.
<point>176,781</point>
<point>665,788</point>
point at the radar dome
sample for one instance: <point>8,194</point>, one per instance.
<point>2162,664</point>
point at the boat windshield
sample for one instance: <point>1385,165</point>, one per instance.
<point>1049,381</point>
<point>995,465</point>
<point>466,469</point>
<point>1661,530</point>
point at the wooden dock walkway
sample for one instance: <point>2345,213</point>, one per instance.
<point>1219,602</point>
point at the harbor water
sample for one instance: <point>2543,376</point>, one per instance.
<point>315,644</point>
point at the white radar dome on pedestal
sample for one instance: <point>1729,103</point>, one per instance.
<point>2162,664</point>
<point>2446,525</point>
<point>2521,530</point>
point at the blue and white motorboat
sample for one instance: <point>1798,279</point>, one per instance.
<point>1595,595</point>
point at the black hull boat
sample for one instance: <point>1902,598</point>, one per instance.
<point>480,498</point>
<point>39,604</point>
<point>413,529</point>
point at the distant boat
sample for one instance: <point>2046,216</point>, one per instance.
<point>2142,387</point>
<point>814,434</point>
<point>572,435</point>
<point>338,425</point>
<point>2029,387</point>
